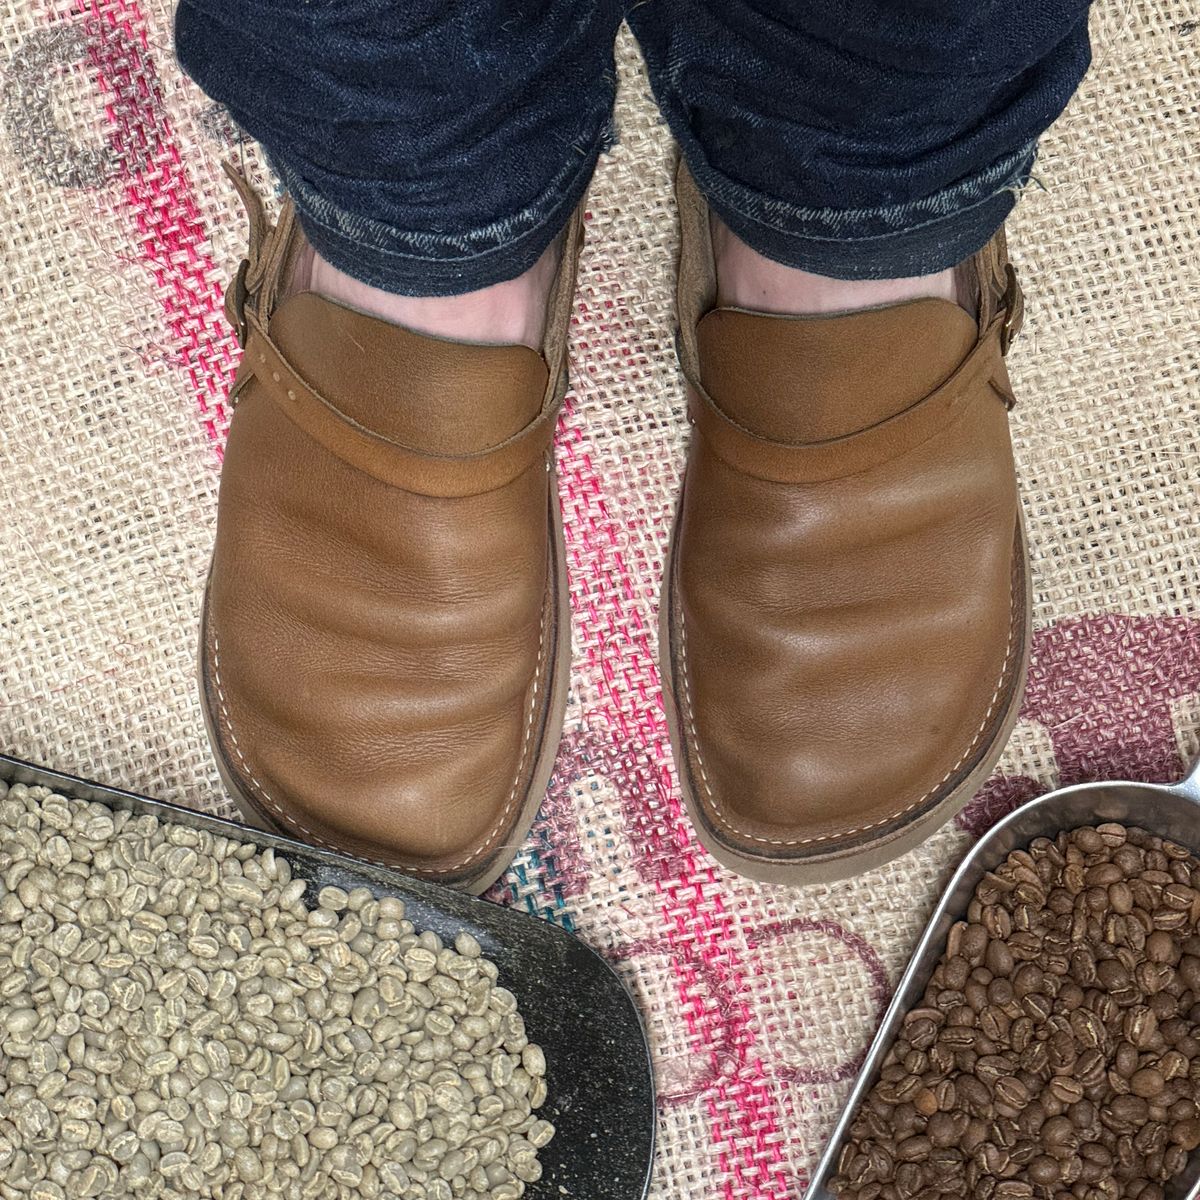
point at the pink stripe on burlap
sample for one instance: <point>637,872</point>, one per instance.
<point>166,228</point>
<point>167,232</point>
<point>697,927</point>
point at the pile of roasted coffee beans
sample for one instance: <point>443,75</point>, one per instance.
<point>176,1023</point>
<point>1056,1052</point>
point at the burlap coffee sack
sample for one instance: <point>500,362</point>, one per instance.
<point>118,232</point>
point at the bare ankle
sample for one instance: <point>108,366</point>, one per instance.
<point>509,313</point>
<point>746,279</point>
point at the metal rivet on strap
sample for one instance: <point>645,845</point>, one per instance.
<point>291,395</point>
<point>275,376</point>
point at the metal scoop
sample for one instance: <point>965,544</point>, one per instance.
<point>600,1087</point>
<point>1170,812</point>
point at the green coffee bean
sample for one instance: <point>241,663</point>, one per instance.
<point>171,1011</point>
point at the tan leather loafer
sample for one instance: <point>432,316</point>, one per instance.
<point>386,642</point>
<point>845,618</point>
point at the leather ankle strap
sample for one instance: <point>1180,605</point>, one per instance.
<point>378,456</point>
<point>837,458</point>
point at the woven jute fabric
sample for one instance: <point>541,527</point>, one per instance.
<point>118,232</point>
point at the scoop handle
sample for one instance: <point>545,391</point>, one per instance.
<point>1190,787</point>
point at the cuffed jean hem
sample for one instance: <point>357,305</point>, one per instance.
<point>424,264</point>
<point>890,242</point>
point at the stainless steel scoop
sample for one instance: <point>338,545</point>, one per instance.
<point>601,1089</point>
<point>1169,812</point>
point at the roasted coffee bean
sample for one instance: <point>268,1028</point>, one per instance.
<point>945,1129</point>
<point>992,1160</point>
<point>1174,1161</point>
<point>995,1023</point>
<point>914,1149</point>
<point>1102,875</point>
<point>1013,1189</point>
<point>1032,1118</point>
<point>1044,1171</point>
<point>921,1034</point>
<point>910,1179</point>
<point>1120,898</point>
<point>1072,1169</point>
<point>902,1089</point>
<point>1124,1115</point>
<point>1112,974</point>
<point>1037,1007</point>
<point>1029,978</point>
<point>1025,947</point>
<point>1189,970</point>
<point>1070,997</point>
<point>999,958</point>
<point>1103,1005</point>
<point>957,1037</point>
<point>947,1095</point>
<point>856,1169</point>
<point>1058,1057</point>
<point>1020,1034</point>
<point>974,943</point>
<point>1177,896</point>
<point>880,1162</point>
<point>945,1162</point>
<point>956,972</point>
<point>1151,1138</point>
<point>961,1014</point>
<point>1153,978</point>
<point>1186,1134</point>
<point>974,1133</point>
<point>1165,1007</point>
<point>1036,1058</point>
<point>976,995</point>
<point>1000,992</point>
<point>974,1095</point>
<point>997,920</point>
<point>1004,1133</point>
<point>1066,1089</point>
<point>1060,1136</point>
<point>1125,1061</point>
<point>1012,1092</point>
<point>1090,1068</point>
<point>1147,1083</point>
<point>1083,1114</point>
<point>1083,967</point>
<point>941,1059</point>
<point>1088,1029</point>
<point>1169,919</point>
<point>1140,1026</point>
<point>990,1068</point>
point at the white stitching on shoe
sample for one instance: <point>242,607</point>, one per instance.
<point>720,819</point>
<point>291,822</point>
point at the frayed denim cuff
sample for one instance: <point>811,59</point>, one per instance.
<point>425,264</point>
<point>890,242</point>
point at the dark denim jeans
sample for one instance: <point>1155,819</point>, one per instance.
<point>436,146</point>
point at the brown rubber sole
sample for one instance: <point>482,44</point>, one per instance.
<point>852,857</point>
<point>481,877</point>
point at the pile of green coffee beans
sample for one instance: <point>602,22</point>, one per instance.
<point>176,1023</point>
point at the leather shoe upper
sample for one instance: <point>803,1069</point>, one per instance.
<point>847,606</point>
<point>382,623</point>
